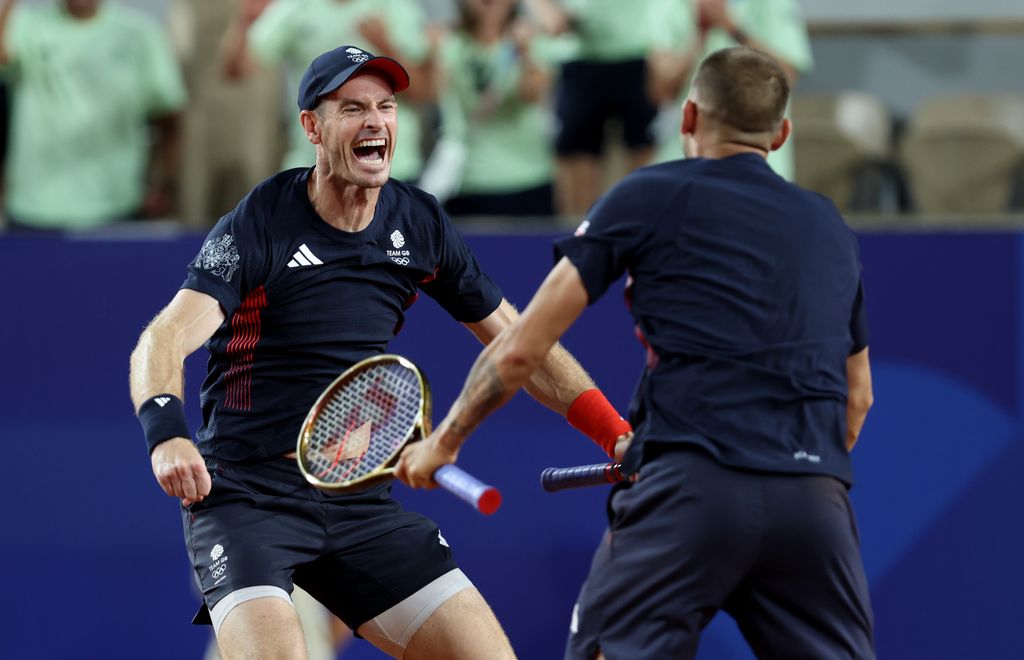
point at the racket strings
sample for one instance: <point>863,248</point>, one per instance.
<point>377,407</point>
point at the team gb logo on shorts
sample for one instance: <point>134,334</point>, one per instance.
<point>356,55</point>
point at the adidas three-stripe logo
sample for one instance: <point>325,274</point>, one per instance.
<point>304,257</point>
<point>162,400</point>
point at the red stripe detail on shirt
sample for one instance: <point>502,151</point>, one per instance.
<point>241,350</point>
<point>652,357</point>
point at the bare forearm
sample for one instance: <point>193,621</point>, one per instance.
<point>155,368</point>
<point>559,380</point>
<point>517,347</point>
<point>856,413</point>
<point>554,380</point>
<point>860,396</point>
<point>498,373</point>
<point>482,394</point>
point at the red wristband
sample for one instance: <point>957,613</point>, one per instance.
<point>597,419</point>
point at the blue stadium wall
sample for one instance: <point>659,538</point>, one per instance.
<point>92,550</point>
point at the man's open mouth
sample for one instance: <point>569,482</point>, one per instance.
<point>371,152</point>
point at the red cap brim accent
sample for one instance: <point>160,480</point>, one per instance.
<point>391,69</point>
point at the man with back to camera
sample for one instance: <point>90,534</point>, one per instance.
<point>311,273</point>
<point>746,294</point>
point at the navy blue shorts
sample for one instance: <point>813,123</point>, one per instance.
<point>779,553</point>
<point>263,524</point>
<point>591,93</point>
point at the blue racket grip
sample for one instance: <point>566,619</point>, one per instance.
<point>484,498</point>
<point>556,479</point>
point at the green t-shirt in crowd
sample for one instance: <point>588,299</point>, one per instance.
<point>777,24</point>
<point>82,91</point>
<point>610,30</point>
<point>295,32</point>
<point>506,139</point>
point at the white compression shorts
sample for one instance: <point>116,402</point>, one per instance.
<point>389,631</point>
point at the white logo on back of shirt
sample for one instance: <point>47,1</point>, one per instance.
<point>804,456</point>
<point>304,257</point>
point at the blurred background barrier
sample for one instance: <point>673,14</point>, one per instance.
<point>93,549</point>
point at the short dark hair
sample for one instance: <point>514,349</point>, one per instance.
<point>744,88</point>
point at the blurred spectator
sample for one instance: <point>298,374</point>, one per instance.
<point>605,78</point>
<point>773,26</point>
<point>87,80</point>
<point>675,50</point>
<point>223,157</point>
<point>493,116</point>
<point>294,32</point>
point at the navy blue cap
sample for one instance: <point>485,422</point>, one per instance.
<point>329,71</point>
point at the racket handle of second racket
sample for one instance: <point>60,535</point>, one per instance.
<point>484,498</point>
<point>556,479</point>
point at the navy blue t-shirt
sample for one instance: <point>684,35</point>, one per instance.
<point>304,301</point>
<point>746,290</point>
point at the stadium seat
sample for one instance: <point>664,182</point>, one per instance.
<point>965,154</point>
<point>843,145</point>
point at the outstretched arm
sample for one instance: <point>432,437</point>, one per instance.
<point>523,354</point>
<point>157,368</point>
<point>558,378</point>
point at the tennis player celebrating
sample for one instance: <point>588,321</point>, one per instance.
<point>311,273</point>
<point>746,292</point>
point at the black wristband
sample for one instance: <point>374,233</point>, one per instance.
<point>163,418</point>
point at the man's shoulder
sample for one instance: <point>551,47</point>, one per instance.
<point>416,200</point>
<point>652,181</point>
<point>262,202</point>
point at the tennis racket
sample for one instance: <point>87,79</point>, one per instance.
<point>355,432</point>
<point>556,479</point>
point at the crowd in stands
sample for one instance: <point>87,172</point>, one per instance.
<point>516,108</point>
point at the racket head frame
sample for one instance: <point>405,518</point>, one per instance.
<point>420,428</point>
